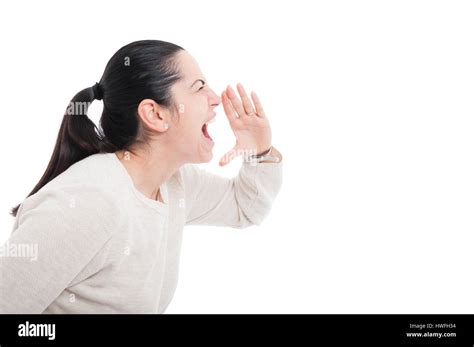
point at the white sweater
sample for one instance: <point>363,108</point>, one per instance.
<point>104,247</point>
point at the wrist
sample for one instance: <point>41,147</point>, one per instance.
<point>263,151</point>
<point>271,155</point>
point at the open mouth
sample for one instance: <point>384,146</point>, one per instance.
<point>204,131</point>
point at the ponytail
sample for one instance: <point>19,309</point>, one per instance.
<point>78,138</point>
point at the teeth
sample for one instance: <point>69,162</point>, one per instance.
<point>211,121</point>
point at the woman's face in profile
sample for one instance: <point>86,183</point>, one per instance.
<point>196,102</point>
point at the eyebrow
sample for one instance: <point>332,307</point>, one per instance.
<point>198,80</point>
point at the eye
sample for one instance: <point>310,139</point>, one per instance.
<point>201,87</point>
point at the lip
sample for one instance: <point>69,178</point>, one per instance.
<point>210,119</point>
<point>209,140</point>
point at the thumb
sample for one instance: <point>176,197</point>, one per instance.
<point>228,157</point>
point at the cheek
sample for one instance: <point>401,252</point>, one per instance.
<point>195,105</point>
<point>189,131</point>
<point>193,117</point>
<point>193,112</point>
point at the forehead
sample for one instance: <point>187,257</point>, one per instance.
<point>189,68</point>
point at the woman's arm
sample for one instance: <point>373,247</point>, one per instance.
<point>238,202</point>
<point>58,234</point>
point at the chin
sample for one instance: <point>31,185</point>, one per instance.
<point>201,158</point>
<point>205,154</point>
<point>206,158</point>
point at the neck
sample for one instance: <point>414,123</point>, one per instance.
<point>149,169</point>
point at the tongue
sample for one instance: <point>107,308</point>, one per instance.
<point>204,131</point>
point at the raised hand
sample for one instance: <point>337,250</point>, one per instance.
<point>248,122</point>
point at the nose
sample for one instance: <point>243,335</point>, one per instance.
<point>214,99</point>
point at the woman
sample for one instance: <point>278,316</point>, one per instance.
<point>107,215</point>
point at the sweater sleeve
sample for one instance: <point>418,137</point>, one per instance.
<point>55,236</point>
<point>237,202</point>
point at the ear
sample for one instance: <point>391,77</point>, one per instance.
<point>154,116</point>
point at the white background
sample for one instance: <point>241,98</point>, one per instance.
<point>371,104</point>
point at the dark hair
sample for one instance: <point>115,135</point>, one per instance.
<point>140,70</point>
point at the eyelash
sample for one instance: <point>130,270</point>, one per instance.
<point>203,85</point>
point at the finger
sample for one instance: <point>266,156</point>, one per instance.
<point>228,109</point>
<point>228,157</point>
<point>258,105</point>
<point>248,107</point>
<point>235,101</point>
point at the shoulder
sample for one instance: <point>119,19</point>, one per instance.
<point>91,185</point>
<point>191,173</point>
<point>84,207</point>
